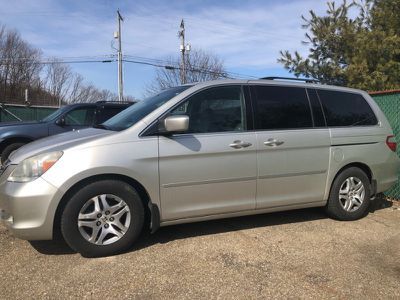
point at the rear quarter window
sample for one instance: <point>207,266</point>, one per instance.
<point>346,109</point>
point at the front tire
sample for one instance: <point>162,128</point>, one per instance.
<point>103,218</point>
<point>350,195</point>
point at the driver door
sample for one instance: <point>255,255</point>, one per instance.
<point>202,172</point>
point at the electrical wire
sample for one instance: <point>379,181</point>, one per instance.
<point>111,58</point>
<point>169,67</point>
<point>160,62</point>
<point>62,62</point>
<point>65,57</point>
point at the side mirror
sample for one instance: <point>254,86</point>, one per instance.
<point>178,123</point>
<point>60,122</point>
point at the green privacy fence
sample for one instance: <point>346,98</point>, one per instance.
<point>389,102</point>
<point>10,113</point>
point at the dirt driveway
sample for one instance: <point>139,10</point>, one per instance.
<point>296,254</point>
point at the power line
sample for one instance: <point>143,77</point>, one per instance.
<point>145,58</point>
<point>165,62</point>
<point>169,67</point>
<point>58,59</point>
<point>230,75</point>
<point>143,61</point>
<point>63,62</point>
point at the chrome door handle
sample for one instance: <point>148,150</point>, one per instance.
<point>239,144</point>
<point>273,142</point>
<point>245,144</point>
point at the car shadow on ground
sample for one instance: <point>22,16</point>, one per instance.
<point>183,231</point>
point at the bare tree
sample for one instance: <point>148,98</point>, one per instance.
<point>58,79</point>
<point>200,66</point>
<point>21,68</point>
<point>19,64</point>
<point>79,91</point>
<point>69,87</point>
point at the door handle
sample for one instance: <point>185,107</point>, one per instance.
<point>239,144</point>
<point>246,144</point>
<point>273,142</point>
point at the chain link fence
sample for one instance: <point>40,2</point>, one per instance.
<point>12,113</point>
<point>389,102</point>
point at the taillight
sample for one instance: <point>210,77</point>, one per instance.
<point>391,142</point>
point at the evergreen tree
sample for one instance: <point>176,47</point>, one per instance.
<point>361,52</point>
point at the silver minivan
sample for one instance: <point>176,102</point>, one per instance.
<point>200,152</point>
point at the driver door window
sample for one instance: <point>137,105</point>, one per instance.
<point>217,109</point>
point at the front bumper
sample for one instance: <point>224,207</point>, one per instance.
<point>26,208</point>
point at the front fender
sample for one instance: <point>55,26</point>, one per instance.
<point>76,165</point>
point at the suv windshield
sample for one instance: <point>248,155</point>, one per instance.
<point>55,114</point>
<point>136,112</point>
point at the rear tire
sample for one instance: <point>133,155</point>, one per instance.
<point>8,150</point>
<point>349,198</point>
<point>103,218</point>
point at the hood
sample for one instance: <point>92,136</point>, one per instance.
<point>59,142</point>
<point>17,123</point>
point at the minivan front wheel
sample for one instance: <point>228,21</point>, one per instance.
<point>103,218</point>
<point>349,198</point>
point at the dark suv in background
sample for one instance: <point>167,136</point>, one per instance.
<point>71,117</point>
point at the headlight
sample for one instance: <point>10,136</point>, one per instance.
<point>34,167</point>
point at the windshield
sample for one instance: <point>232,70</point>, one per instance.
<point>138,111</point>
<point>55,114</point>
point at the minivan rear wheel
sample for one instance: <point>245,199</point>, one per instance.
<point>349,198</point>
<point>103,218</point>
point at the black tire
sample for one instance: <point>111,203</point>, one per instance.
<point>69,218</point>
<point>335,209</point>
<point>8,150</point>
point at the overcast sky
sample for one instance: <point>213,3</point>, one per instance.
<point>246,35</point>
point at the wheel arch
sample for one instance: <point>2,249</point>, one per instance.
<point>14,139</point>
<point>152,215</point>
<point>362,166</point>
<point>367,170</point>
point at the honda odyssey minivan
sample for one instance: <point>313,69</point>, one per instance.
<point>199,152</point>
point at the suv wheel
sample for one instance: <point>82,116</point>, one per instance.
<point>349,198</point>
<point>8,150</point>
<point>103,218</point>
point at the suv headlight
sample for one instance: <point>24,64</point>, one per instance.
<point>34,167</point>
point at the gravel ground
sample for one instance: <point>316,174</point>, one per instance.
<point>296,254</point>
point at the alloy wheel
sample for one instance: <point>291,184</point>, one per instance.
<point>104,219</point>
<point>351,194</point>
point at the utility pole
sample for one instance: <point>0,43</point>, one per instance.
<point>182,49</point>
<point>120,78</point>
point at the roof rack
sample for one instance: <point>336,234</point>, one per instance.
<point>306,80</point>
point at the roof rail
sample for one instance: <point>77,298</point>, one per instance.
<point>306,80</point>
